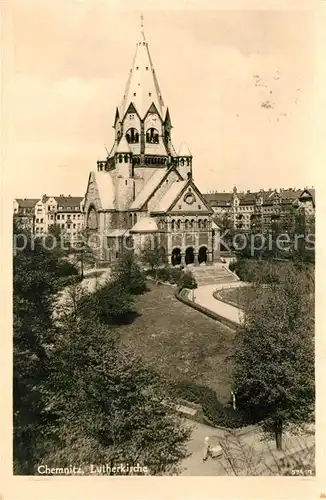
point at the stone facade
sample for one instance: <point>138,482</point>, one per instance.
<point>144,190</point>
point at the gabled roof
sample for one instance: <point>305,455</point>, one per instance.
<point>27,202</point>
<point>167,118</point>
<point>172,193</point>
<point>218,199</point>
<point>148,189</point>
<point>105,186</point>
<point>308,192</point>
<point>247,198</point>
<point>68,201</point>
<point>290,194</point>
<point>142,87</point>
<point>145,225</point>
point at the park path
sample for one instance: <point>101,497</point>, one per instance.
<point>204,297</point>
<point>89,283</point>
<point>248,453</point>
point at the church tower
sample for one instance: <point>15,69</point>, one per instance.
<point>142,120</point>
<point>144,187</point>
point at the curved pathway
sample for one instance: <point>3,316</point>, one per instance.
<point>204,297</point>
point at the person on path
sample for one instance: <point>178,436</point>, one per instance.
<point>207,449</point>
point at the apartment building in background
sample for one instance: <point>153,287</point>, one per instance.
<point>246,209</point>
<point>39,215</point>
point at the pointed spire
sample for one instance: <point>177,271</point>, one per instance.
<point>123,146</point>
<point>184,150</point>
<point>142,87</point>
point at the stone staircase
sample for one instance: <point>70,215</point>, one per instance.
<point>212,274</point>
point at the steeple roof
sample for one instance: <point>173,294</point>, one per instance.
<point>184,150</point>
<point>142,87</point>
<point>123,146</point>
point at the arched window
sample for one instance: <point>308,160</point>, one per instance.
<point>186,224</point>
<point>118,135</point>
<point>120,158</point>
<point>126,158</point>
<point>130,220</point>
<point>172,224</point>
<point>132,136</point>
<point>205,223</point>
<point>152,136</point>
<point>178,224</point>
<point>192,223</point>
<point>135,218</point>
<point>199,224</point>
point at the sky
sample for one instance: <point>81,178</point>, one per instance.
<point>239,86</point>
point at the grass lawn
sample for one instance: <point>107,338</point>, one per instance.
<point>237,296</point>
<point>180,342</point>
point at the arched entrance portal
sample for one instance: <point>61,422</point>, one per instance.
<point>202,255</point>
<point>176,257</point>
<point>189,257</point>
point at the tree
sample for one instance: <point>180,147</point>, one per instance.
<point>129,274</point>
<point>110,408</point>
<point>274,358</point>
<point>153,256</point>
<point>83,250</point>
<point>34,288</point>
<point>227,231</point>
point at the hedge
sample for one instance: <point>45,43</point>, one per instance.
<point>63,281</point>
<point>173,275</point>
<point>216,413</point>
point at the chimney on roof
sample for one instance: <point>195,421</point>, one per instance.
<point>248,191</point>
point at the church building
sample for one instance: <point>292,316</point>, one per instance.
<point>144,190</point>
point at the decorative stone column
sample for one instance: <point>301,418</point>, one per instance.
<point>183,258</point>
<point>196,262</point>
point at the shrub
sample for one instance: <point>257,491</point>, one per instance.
<point>215,412</point>
<point>232,266</point>
<point>129,274</point>
<point>111,303</point>
<point>187,280</point>
<point>66,268</point>
<point>64,281</point>
<point>163,274</point>
<point>175,274</point>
